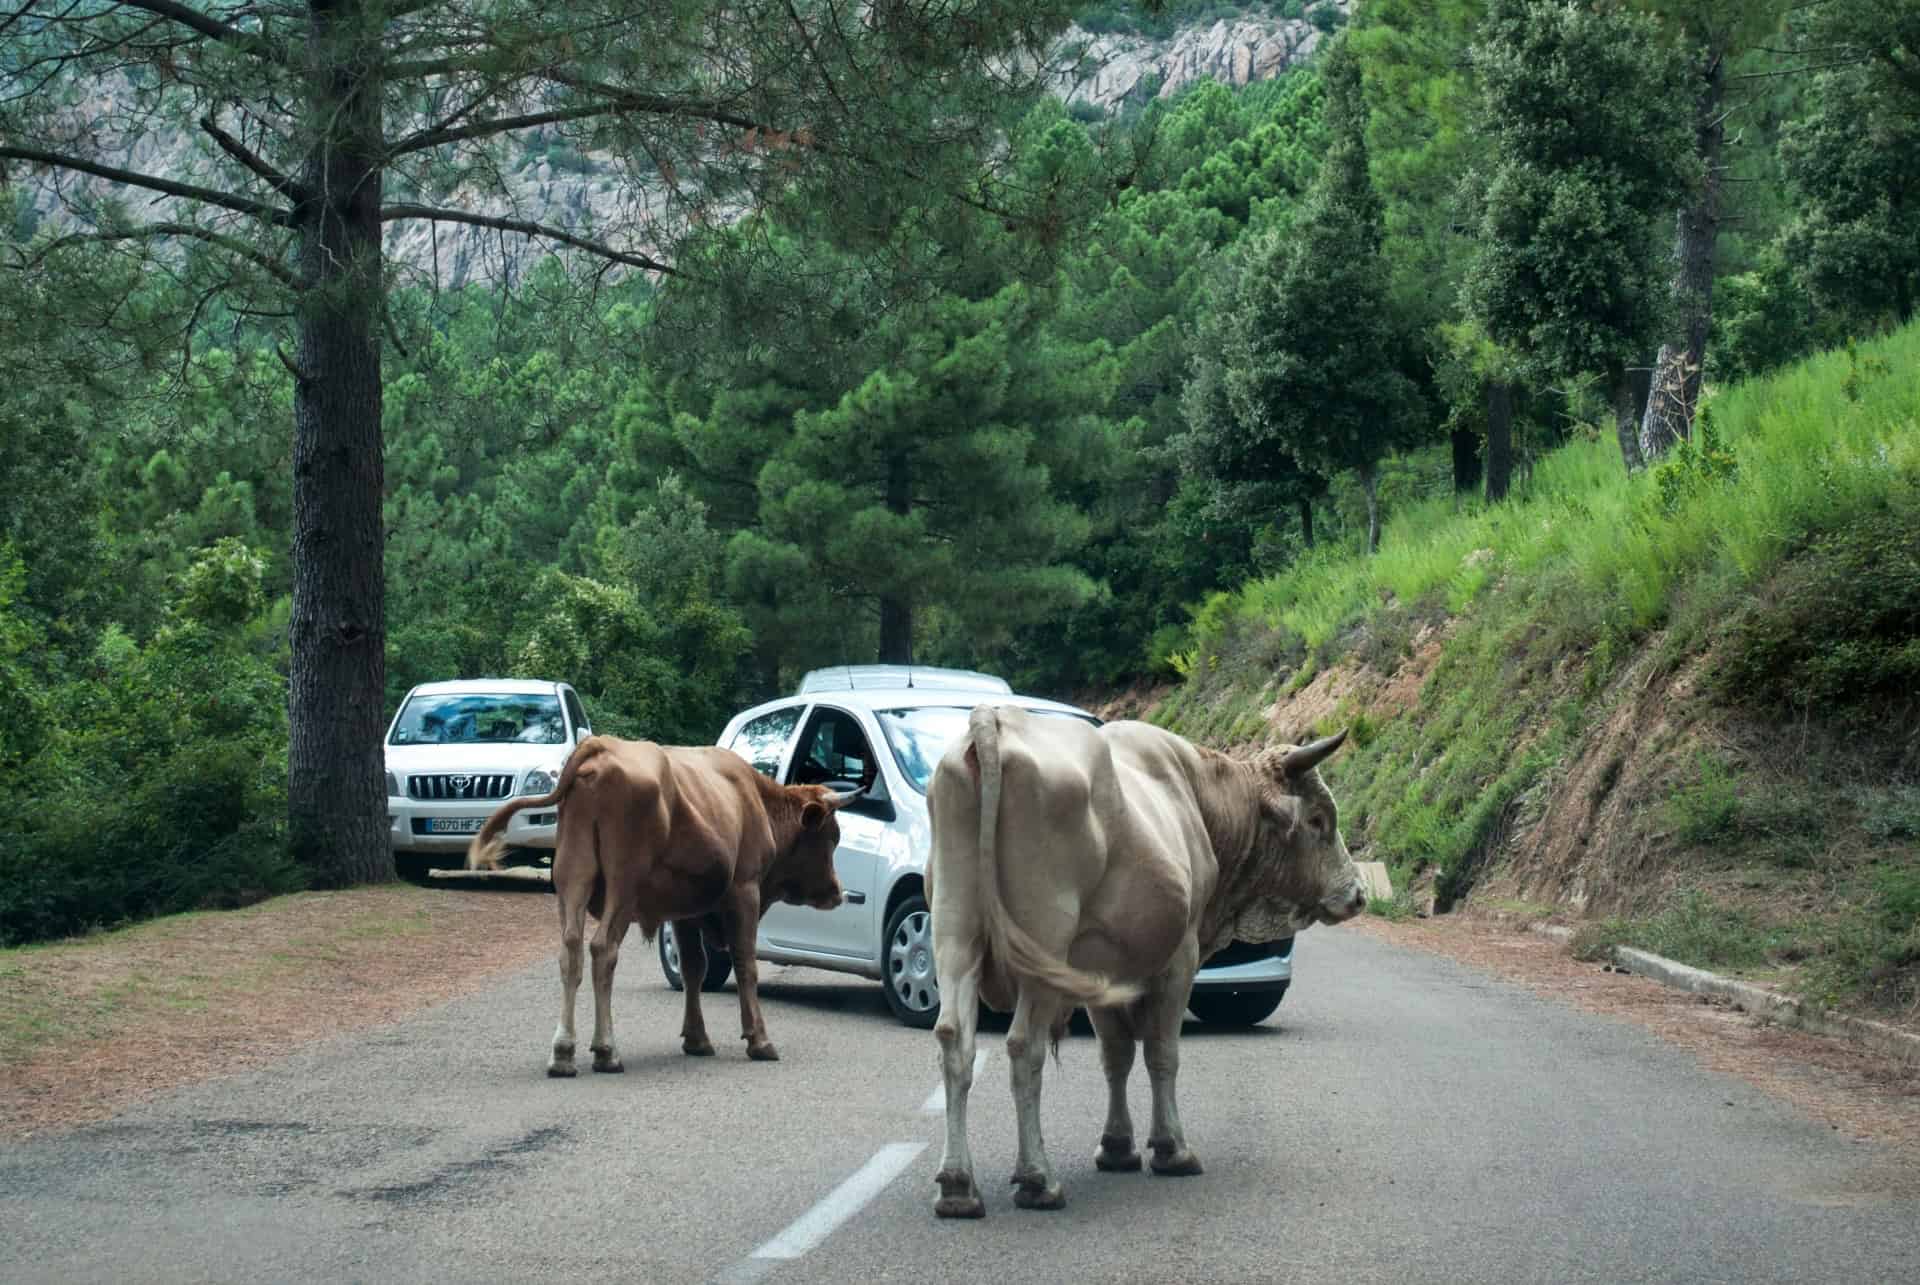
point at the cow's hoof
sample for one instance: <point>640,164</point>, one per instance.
<point>1116,1155</point>
<point>1032,1195</point>
<point>959,1198</point>
<point>1176,1164</point>
<point>607,1061</point>
<point>702,1047</point>
<point>561,1070</point>
<point>763,1052</point>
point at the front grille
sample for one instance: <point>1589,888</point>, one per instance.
<point>460,785</point>
<point>1246,952</point>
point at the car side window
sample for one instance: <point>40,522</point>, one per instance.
<point>761,740</point>
<point>834,749</point>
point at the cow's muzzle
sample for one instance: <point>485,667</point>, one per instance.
<point>1343,905</point>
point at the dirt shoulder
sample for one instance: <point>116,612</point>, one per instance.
<point>1865,1095</point>
<point>93,1025</point>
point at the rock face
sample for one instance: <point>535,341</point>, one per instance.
<point>1117,68</point>
<point>577,192</point>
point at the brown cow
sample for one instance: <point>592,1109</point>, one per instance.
<point>659,833</point>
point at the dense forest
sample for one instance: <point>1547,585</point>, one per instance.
<point>1032,392</point>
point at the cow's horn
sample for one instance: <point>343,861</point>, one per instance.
<point>841,800</point>
<point>1307,757</point>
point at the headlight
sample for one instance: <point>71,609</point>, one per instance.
<point>539,781</point>
<point>393,786</point>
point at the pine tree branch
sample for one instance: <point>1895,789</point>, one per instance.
<point>440,135</point>
<point>439,214</point>
<point>240,152</point>
<point>131,178</point>
<point>154,231</point>
<point>617,99</point>
<point>247,41</point>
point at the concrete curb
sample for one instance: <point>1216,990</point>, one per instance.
<point>1748,998</point>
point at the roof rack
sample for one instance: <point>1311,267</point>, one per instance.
<point>843,678</point>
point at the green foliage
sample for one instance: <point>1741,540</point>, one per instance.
<point>1707,807</point>
<point>1590,150</point>
<point>1694,463</point>
<point>1854,161</point>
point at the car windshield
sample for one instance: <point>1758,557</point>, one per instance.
<point>919,736</point>
<point>470,718</point>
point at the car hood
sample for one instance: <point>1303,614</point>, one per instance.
<point>506,756</point>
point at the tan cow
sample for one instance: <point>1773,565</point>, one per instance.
<point>656,833</point>
<point>1079,865</point>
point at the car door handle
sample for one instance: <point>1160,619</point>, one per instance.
<point>856,898</point>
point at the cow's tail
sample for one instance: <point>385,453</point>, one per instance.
<point>484,852</point>
<point>1011,944</point>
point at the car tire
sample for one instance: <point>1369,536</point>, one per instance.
<point>906,964</point>
<point>719,964</point>
<point>1236,1008</point>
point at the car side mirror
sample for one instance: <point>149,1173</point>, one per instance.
<point>581,733</point>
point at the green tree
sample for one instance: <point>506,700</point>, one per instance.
<point>1312,374</point>
<point>932,482</point>
<point>324,125</point>
<point>1712,36</point>
<point>1854,160</point>
<point>1590,145</point>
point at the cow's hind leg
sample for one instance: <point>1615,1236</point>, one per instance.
<point>1162,1011</point>
<point>1035,1015</point>
<point>742,923</point>
<point>959,975</point>
<point>693,974</point>
<point>606,957</point>
<point>1115,1029</point>
<point>573,924</point>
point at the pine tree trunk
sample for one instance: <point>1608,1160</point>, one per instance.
<point>1676,376</point>
<point>1306,521</point>
<point>1466,461</point>
<point>1625,422</point>
<point>1499,439</point>
<point>336,797</point>
<point>896,612</point>
<point>1370,483</point>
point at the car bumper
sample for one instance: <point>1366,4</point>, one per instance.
<point>412,825</point>
<point>1271,972</point>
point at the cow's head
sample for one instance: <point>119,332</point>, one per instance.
<point>803,873</point>
<point>1300,871</point>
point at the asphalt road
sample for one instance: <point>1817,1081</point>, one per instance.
<point>1400,1119</point>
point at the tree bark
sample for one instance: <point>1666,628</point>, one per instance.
<point>1466,461</point>
<point>1306,521</point>
<point>1499,439</point>
<point>1370,483</point>
<point>1676,377</point>
<point>1625,422</point>
<point>336,797</point>
<point>896,610</point>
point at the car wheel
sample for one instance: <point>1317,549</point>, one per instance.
<point>906,960</point>
<point>1236,1008</point>
<point>719,963</point>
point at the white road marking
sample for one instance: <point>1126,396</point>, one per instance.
<point>937,1100</point>
<point>843,1202</point>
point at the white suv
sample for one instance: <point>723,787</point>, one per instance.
<point>456,750</point>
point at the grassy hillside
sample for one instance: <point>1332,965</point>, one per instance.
<point>1683,706</point>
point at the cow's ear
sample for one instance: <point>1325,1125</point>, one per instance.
<point>813,815</point>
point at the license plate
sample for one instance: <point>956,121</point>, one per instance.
<point>455,825</point>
